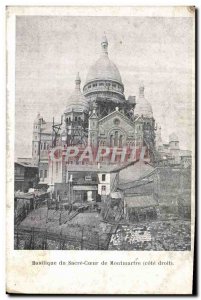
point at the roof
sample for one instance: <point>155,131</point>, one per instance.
<point>26,164</point>
<point>82,168</point>
<point>119,114</point>
<point>185,153</point>
<point>22,195</point>
<point>116,195</point>
<point>140,201</point>
<point>110,168</point>
<point>134,171</point>
<point>103,69</point>
<point>91,168</point>
<point>134,184</point>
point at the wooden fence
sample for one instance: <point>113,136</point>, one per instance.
<point>40,239</point>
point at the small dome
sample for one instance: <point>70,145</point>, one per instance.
<point>173,138</point>
<point>77,101</point>
<point>143,107</point>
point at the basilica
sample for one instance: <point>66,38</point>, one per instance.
<point>101,115</point>
<point>97,115</point>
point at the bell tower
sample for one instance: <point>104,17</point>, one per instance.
<point>93,128</point>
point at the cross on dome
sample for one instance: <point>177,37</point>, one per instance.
<point>77,81</point>
<point>104,44</point>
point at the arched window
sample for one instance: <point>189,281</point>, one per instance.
<point>116,138</point>
<point>75,119</point>
<point>120,141</point>
<point>111,140</point>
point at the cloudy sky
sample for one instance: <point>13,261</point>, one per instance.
<point>156,51</point>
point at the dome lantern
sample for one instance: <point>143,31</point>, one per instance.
<point>141,90</point>
<point>104,45</point>
<point>77,81</point>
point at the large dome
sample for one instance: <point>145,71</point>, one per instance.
<point>104,69</point>
<point>77,101</point>
<point>103,78</point>
<point>143,107</point>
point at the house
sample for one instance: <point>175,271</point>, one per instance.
<point>26,176</point>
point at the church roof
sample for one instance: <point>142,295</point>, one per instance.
<point>104,68</point>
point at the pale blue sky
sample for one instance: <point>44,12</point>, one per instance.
<point>157,51</point>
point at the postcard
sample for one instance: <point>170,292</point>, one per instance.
<point>100,150</point>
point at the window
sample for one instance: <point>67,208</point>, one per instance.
<point>116,121</point>
<point>41,146</point>
<point>75,119</point>
<point>111,141</point>
<point>101,84</point>
<point>116,139</point>
<point>103,188</point>
<point>103,177</point>
<point>88,178</point>
<point>120,141</point>
<point>57,167</point>
<point>41,173</point>
<point>89,86</point>
<point>45,176</point>
<point>95,84</point>
<point>114,85</point>
<point>18,171</point>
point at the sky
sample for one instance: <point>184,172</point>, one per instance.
<point>156,51</point>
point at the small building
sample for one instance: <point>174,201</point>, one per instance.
<point>26,176</point>
<point>82,183</point>
<point>140,208</point>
